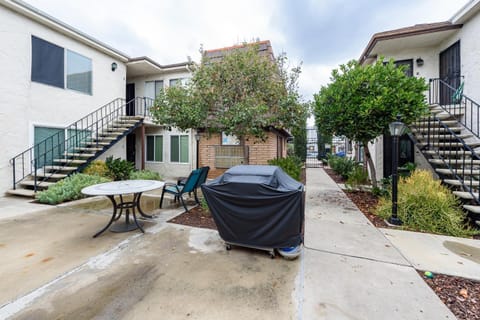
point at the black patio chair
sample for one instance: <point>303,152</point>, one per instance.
<point>178,190</point>
<point>201,180</point>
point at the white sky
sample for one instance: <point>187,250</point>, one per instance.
<point>321,34</point>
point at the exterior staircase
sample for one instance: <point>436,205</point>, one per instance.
<point>70,151</point>
<point>450,142</point>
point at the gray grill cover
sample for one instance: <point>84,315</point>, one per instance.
<point>258,206</point>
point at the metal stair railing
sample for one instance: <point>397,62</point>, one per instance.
<point>85,131</point>
<point>455,154</point>
<point>452,100</point>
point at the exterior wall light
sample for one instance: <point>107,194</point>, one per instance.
<point>114,66</point>
<point>419,62</point>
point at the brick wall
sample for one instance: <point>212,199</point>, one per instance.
<point>259,153</point>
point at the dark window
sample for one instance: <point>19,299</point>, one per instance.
<point>47,63</point>
<point>409,66</point>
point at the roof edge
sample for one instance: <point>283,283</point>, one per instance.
<point>466,12</point>
<point>156,64</point>
<point>406,32</point>
<point>45,19</point>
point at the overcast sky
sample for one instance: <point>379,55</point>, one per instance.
<point>319,33</point>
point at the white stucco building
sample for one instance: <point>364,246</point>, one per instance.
<point>53,75</point>
<point>447,50</point>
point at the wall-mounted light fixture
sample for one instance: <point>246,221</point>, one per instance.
<point>114,66</point>
<point>419,62</point>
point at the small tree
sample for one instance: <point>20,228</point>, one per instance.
<point>300,136</point>
<point>241,94</point>
<point>361,101</point>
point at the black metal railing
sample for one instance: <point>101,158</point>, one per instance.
<point>443,143</point>
<point>65,143</point>
<point>452,100</point>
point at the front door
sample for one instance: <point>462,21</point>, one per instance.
<point>130,97</point>
<point>450,72</point>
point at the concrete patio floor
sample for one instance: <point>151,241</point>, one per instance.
<point>52,268</point>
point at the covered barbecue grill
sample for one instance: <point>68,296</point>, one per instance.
<point>257,206</point>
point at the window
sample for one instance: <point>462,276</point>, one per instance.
<point>179,149</point>
<point>47,63</point>
<point>230,140</point>
<point>153,88</point>
<point>155,148</point>
<point>178,82</point>
<point>409,69</point>
<point>79,72</point>
<point>48,67</point>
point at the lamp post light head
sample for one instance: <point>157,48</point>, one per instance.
<point>397,128</point>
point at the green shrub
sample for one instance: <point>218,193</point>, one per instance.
<point>97,168</point>
<point>341,165</point>
<point>119,169</point>
<point>357,177</point>
<point>145,175</point>
<point>69,188</point>
<point>427,206</point>
<point>292,165</point>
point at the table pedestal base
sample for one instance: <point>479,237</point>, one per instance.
<point>124,227</point>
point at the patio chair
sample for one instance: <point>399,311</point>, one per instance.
<point>178,190</point>
<point>201,180</point>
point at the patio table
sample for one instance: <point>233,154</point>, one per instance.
<point>120,189</point>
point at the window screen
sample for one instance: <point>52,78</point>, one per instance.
<point>47,63</point>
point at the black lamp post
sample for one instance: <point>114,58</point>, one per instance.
<point>397,129</point>
<point>197,139</point>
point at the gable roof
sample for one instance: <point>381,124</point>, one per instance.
<point>439,30</point>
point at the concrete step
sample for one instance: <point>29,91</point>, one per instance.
<point>464,172</point>
<point>437,130</point>
<point>455,182</point>
<point>70,161</point>
<point>449,152</point>
<point>22,192</point>
<point>453,162</point>
<point>40,184</point>
<point>110,134</point>
<point>79,155</point>
<point>446,137</point>
<point>451,144</point>
<point>59,168</point>
<point>472,208</point>
<point>93,149</point>
<point>95,143</point>
<point>51,175</point>
<point>463,195</point>
<point>450,123</point>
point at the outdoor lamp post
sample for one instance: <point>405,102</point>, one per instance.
<point>397,129</point>
<point>197,139</point>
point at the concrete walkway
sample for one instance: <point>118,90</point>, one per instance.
<point>351,270</point>
<point>348,269</point>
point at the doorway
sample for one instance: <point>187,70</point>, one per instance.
<point>450,72</point>
<point>130,97</point>
<point>131,148</point>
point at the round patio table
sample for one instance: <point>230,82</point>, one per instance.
<point>121,188</point>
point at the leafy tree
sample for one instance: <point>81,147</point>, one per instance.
<point>300,136</point>
<point>361,101</point>
<point>241,94</point>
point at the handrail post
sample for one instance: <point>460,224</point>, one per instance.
<point>13,165</point>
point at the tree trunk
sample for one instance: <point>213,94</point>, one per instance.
<point>368,157</point>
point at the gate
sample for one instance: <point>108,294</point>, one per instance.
<point>312,160</point>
